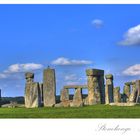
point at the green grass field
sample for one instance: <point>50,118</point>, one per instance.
<point>96,111</point>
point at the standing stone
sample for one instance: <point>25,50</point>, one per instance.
<point>117,96</point>
<point>94,83</point>
<point>65,102</point>
<point>127,89</point>
<point>109,89</point>
<point>64,95</point>
<point>133,95</point>
<point>35,95</point>
<point>77,99</point>
<point>102,88</point>
<point>49,87</point>
<point>29,80</point>
<point>32,92</point>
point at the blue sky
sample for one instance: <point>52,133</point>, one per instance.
<point>69,38</point>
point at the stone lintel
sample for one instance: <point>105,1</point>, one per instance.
<point>109,76</point>
<point>130,83</point>
<point>94,72</point>
<point>75,86</point>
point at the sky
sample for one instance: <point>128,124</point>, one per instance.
<point>69,38</point>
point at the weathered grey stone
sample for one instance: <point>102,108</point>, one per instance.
<point>117,96</point>
<point>96,92</point>
<point>49,87</point>
<point>75,86</point>
<point>32,95</point>
<point>66,103</point>
<point>109,89</point>
<point>32,92</point>
<point>77,99</point>
<point>127,90</point>
<point>35,95</point>
<point>102,88</point>
<point>85,101</point>
<point>29,77</point>
<point>109,76</point>
<point>94,72</point>
<point>128,83</point>
<point>64,95</point>
<point>133,95</point>
<point>122,104</point>
<point>58,105</point>
<point>29,80</point>
<point>93,91</point>
<point>11,106</point>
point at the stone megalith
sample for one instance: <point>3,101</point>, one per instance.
<point>95,91</point>
<point>117,95</point>
<point>127,89</point>
<point>102,87</point>
<point>29,80</point>
<point>49,87</point>
<point>35,95</point>
<point>64,95</point>
<point>133,95</point>
<point>77,98</point>
<point>64,98</point>
<point>109,89</point>
<point>32,92</point>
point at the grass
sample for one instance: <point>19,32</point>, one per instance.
<point>96,111</point>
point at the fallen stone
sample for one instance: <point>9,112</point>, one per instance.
<point>122,104</point>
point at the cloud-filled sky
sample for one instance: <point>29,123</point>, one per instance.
<point>69,38</point>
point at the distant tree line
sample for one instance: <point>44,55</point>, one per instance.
<point>8,100</point>
<point>20,99</point>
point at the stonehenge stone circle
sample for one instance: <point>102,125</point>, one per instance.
<point>44,94</point>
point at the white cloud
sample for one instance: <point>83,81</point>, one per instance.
<point>65,61</point>
<point>131,37</point>
<point>97,23</point>
<point>132,70</point>
<point>14,69</point>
